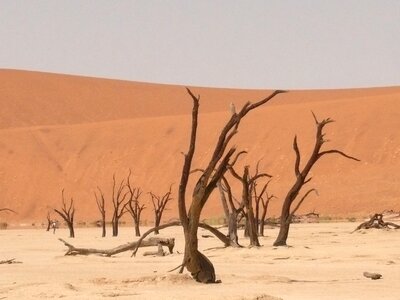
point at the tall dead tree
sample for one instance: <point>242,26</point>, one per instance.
<point>248,182</point>
<point>120,202</point>
<point>195,262</point>
<point>102,209</point>
<point>67,212</point>
<point>159,205</point>
<point>134,207</point>
<point>301,178</point>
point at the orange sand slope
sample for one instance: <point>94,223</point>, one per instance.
<point>59,131</point>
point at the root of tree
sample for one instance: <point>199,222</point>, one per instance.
<point>153,241</point>
<point>377,222</point>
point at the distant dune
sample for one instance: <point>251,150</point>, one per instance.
<point>59,131</point>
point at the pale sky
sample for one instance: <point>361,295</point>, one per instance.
<point>244,44</point>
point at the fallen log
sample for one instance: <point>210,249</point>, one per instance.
<point>153,241</point>
<point>10,261</point>
<point>377,222</point>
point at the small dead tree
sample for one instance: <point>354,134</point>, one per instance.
<point>301,178</point>
<point>119,204</point>
<point>102,209</point>
<point>134,207</point>
<point>67,212</point>
<point>262,200</point>
<point>159,205</point>
<point>248,182</point>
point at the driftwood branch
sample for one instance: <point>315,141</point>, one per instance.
<point>154,241</point>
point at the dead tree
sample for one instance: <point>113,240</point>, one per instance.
<point>262,200</point>
<point>67,212</point>
<point>102,209</point>
<point>377,222</point>
<point>195,262</point>
<point>134,207</point>
<point>119,204</point>
<point>159,205</point>
<point>248,182</point>
<point>301,178</point>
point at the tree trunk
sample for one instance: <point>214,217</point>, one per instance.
<point>285,213</point>
<point>71,230</point>
<point>115,226</point>
<point>232,230</point>
<point>137,229</point>
<point>103,225</point>
<point>262,219</point>
<point>283,231</point>
<point>199,266</point>
<point>252,228</point>
<point>157,224</point>
<point>48,225</point>
<point>246,227</point>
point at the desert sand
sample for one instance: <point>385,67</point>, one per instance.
<point>324,261</point>
<point>60,131</point>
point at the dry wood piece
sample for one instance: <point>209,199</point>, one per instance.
<point>10,261</point>
<point>377,222</point>
<point>154,241</point>
<point>373,276</point>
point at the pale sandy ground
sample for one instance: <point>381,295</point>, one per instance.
<point>324,262</point>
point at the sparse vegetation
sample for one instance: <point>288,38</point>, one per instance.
<point>67,212</point>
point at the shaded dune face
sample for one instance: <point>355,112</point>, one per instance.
<point>59,131</point>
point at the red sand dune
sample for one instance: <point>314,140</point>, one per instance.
<point>59,131</point>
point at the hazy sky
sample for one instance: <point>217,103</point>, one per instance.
<point>246,44</point>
